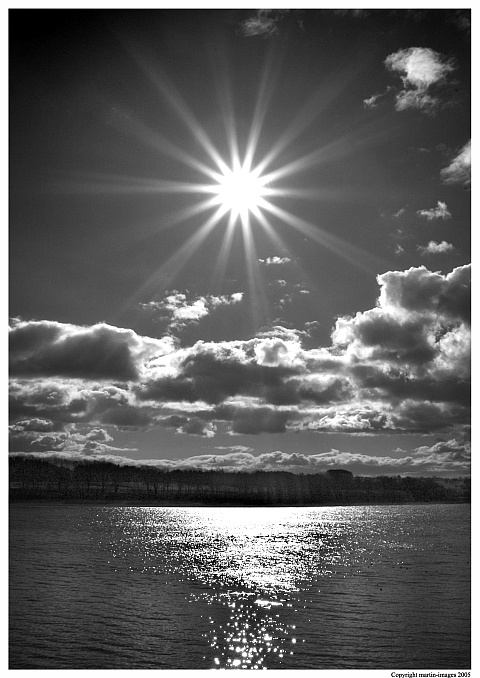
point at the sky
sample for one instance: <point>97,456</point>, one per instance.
<point>240,239</point>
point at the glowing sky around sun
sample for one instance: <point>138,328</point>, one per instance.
<point>242,238</point>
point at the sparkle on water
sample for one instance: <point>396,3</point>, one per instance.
<point>252,574</point>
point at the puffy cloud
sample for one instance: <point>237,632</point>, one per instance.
<point>24,438</point>
<point>44,348</point>
<point>419,290</point>
<point>435,248</point>
<point>72,402</point>
<point>438,212</point>
<point>214,372</point>
<point>421,69</point>
<point>402,366</point>
<point>30,436</point>
<point>452,456</point>
<point>35,424</point>
<point>98,435</point>
<point>459,169</point>
<point>180,312</point>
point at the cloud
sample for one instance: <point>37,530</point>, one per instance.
<point>439,298</point>
<point>436,248</point>
<point>401,366</point>
<point>275,261</point>
<point>438,212</point>
<point>101,352</point>
<point>422,71</point>
<point>192,426</point>
<point>372,102</point>
<point>443,457</point>
<point>30,436</point>
<point>459,169</point>
<point>265,22</point>
<point>179,312</point>
<point>66,402</point>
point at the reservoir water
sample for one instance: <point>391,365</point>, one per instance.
<point>351,587</point>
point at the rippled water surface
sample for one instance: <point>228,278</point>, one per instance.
<point>371,587</point>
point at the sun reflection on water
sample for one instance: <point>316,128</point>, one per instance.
<point>249,570</point>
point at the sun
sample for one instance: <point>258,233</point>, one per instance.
<point>240,190</point>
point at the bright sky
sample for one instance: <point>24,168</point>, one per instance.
<point>241,238</point>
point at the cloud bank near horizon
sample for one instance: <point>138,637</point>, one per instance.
<point>400,367</point>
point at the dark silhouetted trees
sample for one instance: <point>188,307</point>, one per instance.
<point>54,479</point>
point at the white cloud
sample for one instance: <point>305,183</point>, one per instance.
<point>459,170</point>
<point>436,248</point>
<point>438,212</point>
<point>269,261</point>
<point>371,102</point>
<point>181,312</point>
<point>421,69</point>
<point>443,457</point>
<point>264,22</point>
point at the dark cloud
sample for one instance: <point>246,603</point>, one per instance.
<point>48,349</point>
<point>193,426</point>
<point>253,419</point>
<point>214,372</point>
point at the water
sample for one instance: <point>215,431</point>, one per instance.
<point>369,587</point>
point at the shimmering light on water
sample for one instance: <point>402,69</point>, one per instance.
<point>250,588</point>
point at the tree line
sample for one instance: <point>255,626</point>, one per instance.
<point>54,479</point>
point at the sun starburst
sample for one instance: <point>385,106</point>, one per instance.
<point>233,189</point>
<point>240,190</point>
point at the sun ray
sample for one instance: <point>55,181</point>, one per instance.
<point>225,99</point>
<point>155,140</point>
<point>265,91</point>
<point>356,256</point>
<point>240,190</point>
<point>97,184</point>
<point>224,252</point>
<point>169,92</point>
<point>257,296</point>
<point>319,102</point>
<point>162,276</point>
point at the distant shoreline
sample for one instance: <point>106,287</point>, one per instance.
<point>198,504</point>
